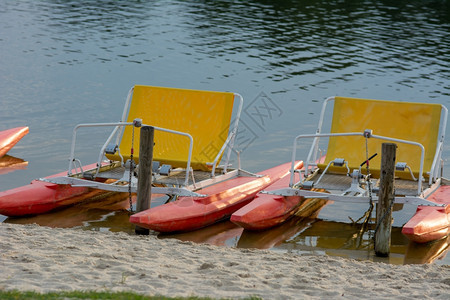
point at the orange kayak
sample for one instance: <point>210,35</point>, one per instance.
<point>430,223</point>
<point>10,137</point>
<point>222,200</point>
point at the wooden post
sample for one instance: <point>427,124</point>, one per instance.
<point>385,199</point>
<point>144,192</point>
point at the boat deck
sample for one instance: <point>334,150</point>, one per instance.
<point>337,183</point>
<point>175,178</point>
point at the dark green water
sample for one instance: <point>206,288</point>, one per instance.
<point>68,62</point>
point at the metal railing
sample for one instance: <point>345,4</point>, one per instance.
<point>302,136</point>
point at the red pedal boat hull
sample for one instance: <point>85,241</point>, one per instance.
<point>267,210</point>
<point>430,223</point>
<point>10,137</point>
<point>190,213</point>
<point>40,197</point>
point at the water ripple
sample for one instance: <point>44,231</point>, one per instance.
<point>286,39</point>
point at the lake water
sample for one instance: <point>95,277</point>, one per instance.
<point>68,62</point>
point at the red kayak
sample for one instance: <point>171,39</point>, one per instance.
<point>190,213</point>
<point>41,197</point>
<point>430,223</point>
<point>10,137</point>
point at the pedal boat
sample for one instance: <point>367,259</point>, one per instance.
<point>193,142</point>
<point>351,170</point>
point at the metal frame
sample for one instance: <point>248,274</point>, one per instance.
<point>231,137</point>
<point>120,124</point>
<point>360,199</point>
<point>117,134</point>
<point>313,157</point>
<point>422,148</point>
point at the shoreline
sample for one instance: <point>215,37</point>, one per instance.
<point>44,259</point>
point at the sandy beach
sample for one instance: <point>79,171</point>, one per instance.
<point>43,259</point>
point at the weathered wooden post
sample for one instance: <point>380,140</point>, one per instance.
<point>385,200</point>
<point>144,191</point>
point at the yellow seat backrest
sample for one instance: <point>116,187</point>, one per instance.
<point>417,122</point>
<point>205,115</point>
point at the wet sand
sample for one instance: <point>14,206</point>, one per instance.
<point>43,259</point>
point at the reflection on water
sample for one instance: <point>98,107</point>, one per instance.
<point>220,234</point>
<point>70,62</point>
<point>80,214</point>
<point>274,237</point>
<point>10,164</point>
<point>421,254</point>
<point>306,235</point>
